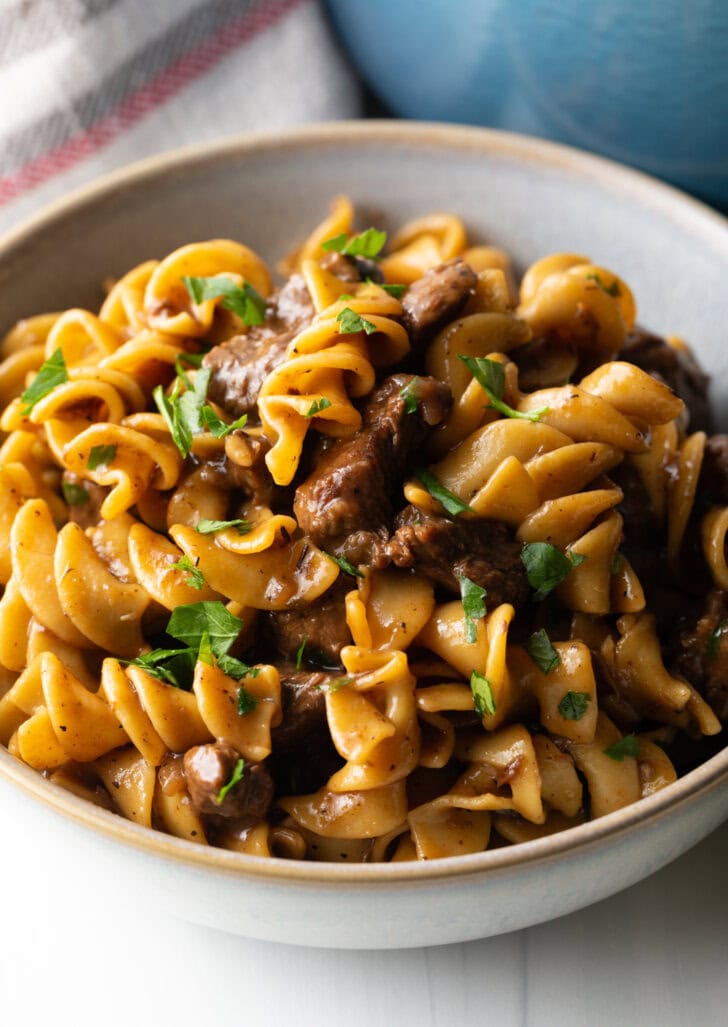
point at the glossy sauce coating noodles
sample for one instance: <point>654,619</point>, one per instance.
<point>398,560</point>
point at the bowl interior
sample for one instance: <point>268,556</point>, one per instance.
<point>527,196</point>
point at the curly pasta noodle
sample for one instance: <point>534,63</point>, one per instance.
<point>251,594</point>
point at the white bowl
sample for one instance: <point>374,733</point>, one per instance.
<point>528,196</point>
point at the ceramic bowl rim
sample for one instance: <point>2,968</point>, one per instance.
<point>641,188</point>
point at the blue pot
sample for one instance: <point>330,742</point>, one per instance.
<point>645,83</point>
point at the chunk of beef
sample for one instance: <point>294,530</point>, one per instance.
<point>352,269</point>
<point>702,653</point>
<point>353,486</point>
<point>322,623</point>
<point>444,550</point>
<point>208,768</point>
<point>87,513</point>
<point>241,364</point>
<point>438,296</point>
<point>713,483</point>
<point>303,756</point>
<point>678,368</point>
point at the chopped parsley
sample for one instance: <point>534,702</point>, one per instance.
<point>409,395</point>
<point>189,623</point>
<point>216,426</point>
<point>209,630</point>
<point>236,776</point>
<point>188,414</point>
<point>300,651</point>
<point>317,406</point>
<point>617,563</point>
<point>369,244</point>
<point>546,566</point>
<point>51,373</point>
<point>196,578</point>
<point>337,684</point>
<point>491,376</point>
<point>243,300</point>
<point>100,457</point>
<point>542,652</point>
<point>611,290</point>
<point>714,640</point>
<point>473,597</point>
<point>191,359</point>
<point>75,495</point>
<point>574,704</point>
<point>351,322</point>
<point>246,702</point>
<point>205,526</point>
<point>235,668</point>
<point>444,496</point>
<point>394,289</point>
<point>482,694</point>
<point>345,565</point>
<point>627,746</point>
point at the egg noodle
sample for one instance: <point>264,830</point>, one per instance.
<point>452,723</point>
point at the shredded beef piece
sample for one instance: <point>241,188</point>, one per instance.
<point>702,657</point>
<point>88,513</point>
<point>677,368</point>
<point>353,486</point>
<point>241,364</point>
<point>208,768</point>
<point>713,484</point>
<point>437,297</point>
<point>303,756</point>
<point>322,623</point>
<point>443,550</point>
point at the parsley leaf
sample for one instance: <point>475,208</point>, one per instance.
<point>246,702</point>
<point>409,395</point>
<point>51,373</point>
<point>350,322</point>
<point>243,300</point>
<point>546,566</point>
<point>235,668</point>
<point>168,407</point>
<point>207,527</point>
<point>394,289</point>
<point>491,376</point>
<point>75,495</point>
<point>205,653</point>
<point>611,290</point>
<point>191,359</point>
<point>189,623</point>
<point>174,666</point>
<point>367,244</point>
<point>714,640</point>
<point>317,406</point>
<point>217,426</point>
<point>196,578</point>
<point>627,746</point>
<point>444,496</point>
<point>473,597</point>
<point>337,684</point>
<point>236,776</point>
<point>617,564</point>
<point>542,652</point>
<point>573,705</point>
<point>100,457</point>
<point>342,562</point>
<point>482,694</point>
<point>300,651</point>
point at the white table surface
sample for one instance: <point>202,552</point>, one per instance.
<point>656,954</point>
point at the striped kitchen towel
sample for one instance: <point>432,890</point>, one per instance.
<point>90,85</point>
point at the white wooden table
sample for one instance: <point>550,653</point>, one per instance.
<point>655,955</point>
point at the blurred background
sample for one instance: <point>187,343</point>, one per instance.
<point>90,85</point>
